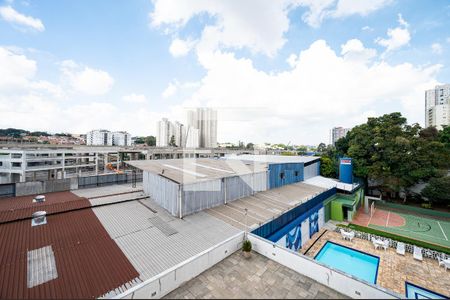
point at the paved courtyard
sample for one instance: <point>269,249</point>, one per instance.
<point>257,277</point>
<point>394,269</point>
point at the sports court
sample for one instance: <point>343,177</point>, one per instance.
<point>419,227</point>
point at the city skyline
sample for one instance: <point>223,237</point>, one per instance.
<point>160,57</point>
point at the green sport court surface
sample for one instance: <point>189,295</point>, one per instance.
<point>424,228</point>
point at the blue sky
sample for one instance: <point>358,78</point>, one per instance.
<point>277,71</point>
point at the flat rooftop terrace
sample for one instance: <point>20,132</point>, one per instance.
<point>236,277</point>
<point>264,206</point>
<point>191,170</point>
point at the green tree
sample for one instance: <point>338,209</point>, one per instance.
<point>444,136</point>
<point>150,140</point>
<point>321,148</point>
<point>250,146</point>
<point>172,141</point>
<point>327,167</point>
<point>438,191</point>
<point>396,155</point>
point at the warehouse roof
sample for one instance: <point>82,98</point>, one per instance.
<point>70,256</point>
<point>192,170</point>
<point>111,240</point>
<point>155,241</point>
<point>328,183</point>
<point>275,159</point>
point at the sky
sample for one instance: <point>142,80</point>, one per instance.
<point>277,71</point>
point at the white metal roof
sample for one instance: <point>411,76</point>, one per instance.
<point>329,183</point>
<point>273,158</point>
<point>151,245</point>
<point>190,170</point>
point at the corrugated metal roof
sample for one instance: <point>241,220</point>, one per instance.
<point>17,208</point>
<point>88,262</point>
<point>192,170</point>
<point>276,159</point>
<point>149,249</point>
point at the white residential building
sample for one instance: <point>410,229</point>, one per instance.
<point>121,138</point>
<point>437,106</point>
<point>179,134</point>
<point>165,130</point>
<point>337,133</point>
<point>192,137</point>
<point>103,137</point>
<point>99,137</point>
<point>205,120</point>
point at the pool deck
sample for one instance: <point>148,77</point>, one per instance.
<point>258,277</point>
<point>394,269</point>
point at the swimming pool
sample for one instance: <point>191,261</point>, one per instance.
<point>359,264</point>
<point>416,292</point>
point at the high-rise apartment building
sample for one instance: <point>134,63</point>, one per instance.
<point>121,138</point>
<point>205,120</point>
<point>437,106</point>
<point>99,137</point>
<point>164,128</point>
<point>180,134</point>
<point>103,137</point>
<point>337,133</point>
<point>192,137</point>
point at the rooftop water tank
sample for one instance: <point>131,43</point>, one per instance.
<point>346,170</point>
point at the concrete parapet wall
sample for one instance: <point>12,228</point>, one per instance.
<point>42,187</point>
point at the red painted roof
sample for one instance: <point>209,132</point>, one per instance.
<point>17,208</point>
<point>89,263</point>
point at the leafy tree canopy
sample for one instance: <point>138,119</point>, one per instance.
<point>397,155</point>
<point>438,190</point>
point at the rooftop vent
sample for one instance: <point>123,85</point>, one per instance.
<point>39,218</point>
<point>39,198</point>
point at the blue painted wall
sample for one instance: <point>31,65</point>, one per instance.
<point>280,224</point>
<point>346,170</point>
<point>293,172</point>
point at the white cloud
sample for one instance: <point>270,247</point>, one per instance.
<point>322,89</point>
<point>397,37</point>
<point>354,50</point>
<point>16,70</point>
<point>135,98</point>
<point>179,48</point>
<point>346,8</point>
<point>367,28</point>
<point>238,24</point>
<point>85,79</point>
<point>292,60</point>
<point>9,14</point>
<point>319,10</point>
<point>170,90</point>
<point>437,48</point>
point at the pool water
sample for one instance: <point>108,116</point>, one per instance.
<point>416,292</point>
<point>359,264</point>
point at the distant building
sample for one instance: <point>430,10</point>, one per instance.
<point>205,120</point>
<point>165,130</point>
<point>192,137</point>
<point>437,106</point>
<point>179,134</point>
<point>99,137</point>
<point>337,133</point>
<point>121,138</point>
<point>103,137</point>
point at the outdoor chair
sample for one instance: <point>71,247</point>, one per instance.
<point>401,248</point>
<point>418,253</point>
